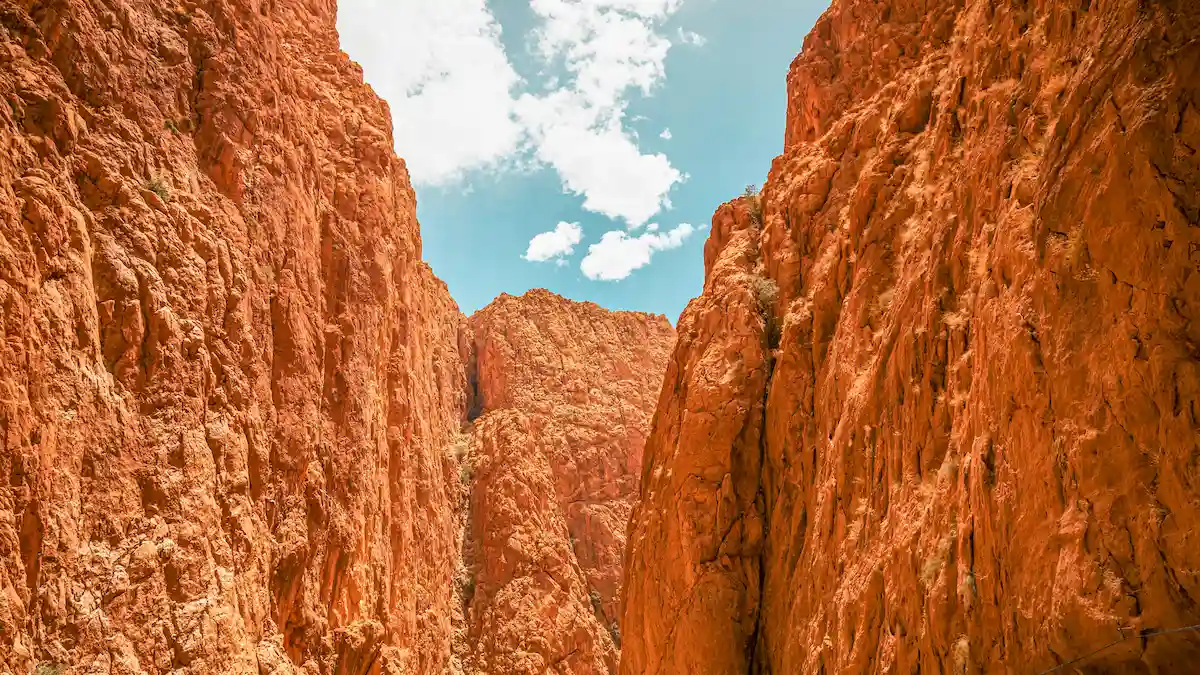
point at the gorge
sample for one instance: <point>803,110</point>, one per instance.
<point>937,408</point>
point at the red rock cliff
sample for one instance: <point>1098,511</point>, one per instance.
<point>938,407</point>
<point>565,391</point>
<point>227,380</point>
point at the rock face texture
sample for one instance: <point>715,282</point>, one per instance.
<point>227,381</point>
<point>565,392</point>
<point>938,407</point>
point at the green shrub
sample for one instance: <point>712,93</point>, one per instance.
<point>754,201</point>
<point>765,290</point>
<point>158,187</point>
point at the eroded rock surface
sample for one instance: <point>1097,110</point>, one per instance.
<point>565,391</point>
<point>227,380</point>
<point>938,407</point>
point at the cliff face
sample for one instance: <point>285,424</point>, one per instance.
<point>227,381</point>
<point>937,408</point>
<point>565,391</point>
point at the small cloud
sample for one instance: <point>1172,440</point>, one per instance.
<point>687,37</point>
<point>665,135</point>
<point>554,245</point>
<point>617,254</point>
<point>652,227</point>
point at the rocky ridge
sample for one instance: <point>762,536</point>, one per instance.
<point>938,407</point>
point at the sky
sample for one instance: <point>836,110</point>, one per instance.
<point>578,145</point>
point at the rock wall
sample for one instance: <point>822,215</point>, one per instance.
<point>938,407</point>
<point>565,392</point>
<point>227,381</point>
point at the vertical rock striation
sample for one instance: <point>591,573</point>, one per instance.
<point>227,380</point>
<point>565,391</point>
<point>938,407</point>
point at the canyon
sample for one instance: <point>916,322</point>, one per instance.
<point>937,408</point>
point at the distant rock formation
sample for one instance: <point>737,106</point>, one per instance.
<point>566,391</point>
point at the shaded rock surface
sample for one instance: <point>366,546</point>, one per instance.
<point>227,380</point>
<point>938,407</point>
<point>565,392</point>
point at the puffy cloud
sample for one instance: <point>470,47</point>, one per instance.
<point>618,254</point>
<point>611,48</point>
<point>665,135</point>
<point>555,244</point>
<point>453,93</point>
<point>602,164</point>
<point>442,69</point>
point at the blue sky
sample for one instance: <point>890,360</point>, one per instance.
<point>536,133</point>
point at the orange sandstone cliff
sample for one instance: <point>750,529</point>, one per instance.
<point>564,392</point>
<point>227,380</point>
<point>232,395</point>
<point>938,407</point>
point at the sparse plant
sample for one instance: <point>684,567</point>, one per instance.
<point>49,668</point>
<point>765,290</point>
<point>934,564</point>
<point>615,631</point>
<point>597,604</point>
<point>753,198</point>
<point>461,445</point>
<point>466,585</point>
<point>158,187</point>
<point>962,653</point>
<point>169,125</point>
<point>459,450</point>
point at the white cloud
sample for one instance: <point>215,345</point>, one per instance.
<point>555,244</point>
<point>602,164</point>
<point>665,135</point>
<point>611,48</point>
<point>617,254</point>
<point>442,69</point>
<point>458,106</point>
<point>687,37</point>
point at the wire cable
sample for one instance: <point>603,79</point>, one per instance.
<point>1143,634</point>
